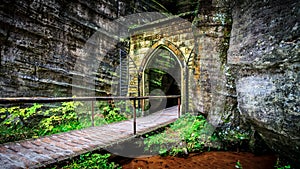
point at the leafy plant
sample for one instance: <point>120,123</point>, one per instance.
<point>22,123</point>
<point>112,112</point>
<point>19,116</point>
<point>279,165</point>
<point>63,115</point>
<point>95,160</point>
<point>238,164</point>
<point>189,133</point>
<point>19,123</point>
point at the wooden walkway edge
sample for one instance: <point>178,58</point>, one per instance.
<point>35,153</point>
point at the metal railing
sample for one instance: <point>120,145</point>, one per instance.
<point>17,100</point>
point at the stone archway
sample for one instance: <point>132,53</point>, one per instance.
<point>162,73</point>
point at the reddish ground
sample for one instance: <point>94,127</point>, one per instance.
<point>207,160</point>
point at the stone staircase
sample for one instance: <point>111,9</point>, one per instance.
<point>127,76</point>
<point>123,75</point>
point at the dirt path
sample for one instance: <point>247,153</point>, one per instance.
<point>207,160</point>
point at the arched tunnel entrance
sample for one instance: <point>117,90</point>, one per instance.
<point>162,75</point>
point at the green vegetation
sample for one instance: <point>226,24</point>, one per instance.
<point>232,138</point>
<point>193,134</point>
<point>17,123</point>
<point>21,123</point>
<point>113,112</point>
<point>189,133</point>
<point>279,165</point>
<point>92,160</point>
<point>238,164</point>
<point>283,167</point>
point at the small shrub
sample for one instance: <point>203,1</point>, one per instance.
<point>63,118</point>
<point>189,133</point>
<point>37,120</point>
<point>95,161</point>
<point>16,116</point>
<point>112,113</point>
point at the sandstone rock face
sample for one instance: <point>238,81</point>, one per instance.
<point>41,41</point>
<point>213,89</point>
<point>264,51</point>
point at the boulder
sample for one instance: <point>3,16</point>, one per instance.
<point>264,53</point>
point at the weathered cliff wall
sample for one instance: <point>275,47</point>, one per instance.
<point>264,52</point>
<point>214,90</point>
<point>41,41</point>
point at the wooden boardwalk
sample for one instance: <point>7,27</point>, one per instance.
<point>34,153</point>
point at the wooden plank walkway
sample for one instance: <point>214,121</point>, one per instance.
<point>34,153</point>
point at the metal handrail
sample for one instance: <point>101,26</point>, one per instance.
<point>10,100</point>
<point>14,100</point>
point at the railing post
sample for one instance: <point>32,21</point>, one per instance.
<point>178,101</point>
<point>93,114</point>
<point>143,105</point>
<point>134,116</point>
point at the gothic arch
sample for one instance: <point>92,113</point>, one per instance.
<point>166,45</point>
<point>178,55</point>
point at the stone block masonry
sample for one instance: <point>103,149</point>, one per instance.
<point>198,47</point>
